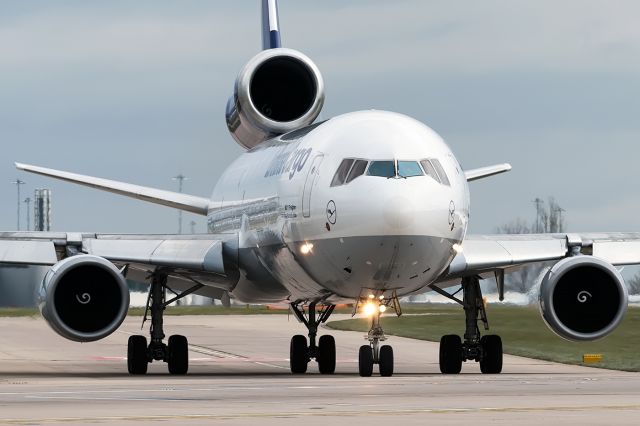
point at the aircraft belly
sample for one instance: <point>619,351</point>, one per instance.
<point>344,266</point>
<point>338,269</point>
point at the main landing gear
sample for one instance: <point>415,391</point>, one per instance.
<point>176,352</point>
<point>368,355</point>
<point>487,350</point>
<point>324,352</point>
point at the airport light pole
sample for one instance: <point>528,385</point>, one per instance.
<point>180,178</point>
<point>17,183</point>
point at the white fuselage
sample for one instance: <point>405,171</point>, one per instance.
<point>305,234</point>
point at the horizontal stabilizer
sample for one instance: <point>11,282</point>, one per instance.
<point>483,172</point>
<point>190,203</point>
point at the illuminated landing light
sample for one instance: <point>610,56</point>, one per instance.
<point>382,309</point>
<point>457,248</point>
<point>306,248</point>
<point>371,296</point>
<point>369,309</point>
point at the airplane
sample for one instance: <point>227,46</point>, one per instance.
<point>363,208</point>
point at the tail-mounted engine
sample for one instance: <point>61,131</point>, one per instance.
<point>279,90</point>
<point>84,298</point>
<point>583,298</point>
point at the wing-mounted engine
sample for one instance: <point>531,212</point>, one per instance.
<point>279,90</point>
<point>583,298</point>
<point>84,298</point>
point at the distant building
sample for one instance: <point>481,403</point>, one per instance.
<point>42,210</point>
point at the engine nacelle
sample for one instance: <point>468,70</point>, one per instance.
<point>84,298</point>
<point>583,298</point>
<point>279,90</point>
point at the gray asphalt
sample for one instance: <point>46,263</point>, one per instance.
<point>239,375</point>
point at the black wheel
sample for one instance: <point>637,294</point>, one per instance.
<point>365,361</point>
<point>491,361</point>
<point>326,354</point>
<point>178,356</point>
<point>298,354</point>
<point>385,363</point>
<point>137,360</point>
<point>450,354</point>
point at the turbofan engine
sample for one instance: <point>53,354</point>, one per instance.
<point>279,90</point>
<point>583,298</point>
<point>84,298</point>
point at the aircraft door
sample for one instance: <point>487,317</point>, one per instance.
<point>312,177</point>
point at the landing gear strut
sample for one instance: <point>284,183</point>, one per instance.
<point>324,352</point>
<point>176,352</point>
<point>487,350</point>
<point>368,355</point>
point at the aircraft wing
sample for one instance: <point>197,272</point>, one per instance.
<point>177,200</point>
<point>209,259</point>
<point>482,254</point>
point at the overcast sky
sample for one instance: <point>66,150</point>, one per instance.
<point>135,91</point>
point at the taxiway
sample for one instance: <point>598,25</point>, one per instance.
<point>239,374</point>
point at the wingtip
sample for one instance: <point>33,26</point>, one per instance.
<point>19,166</point>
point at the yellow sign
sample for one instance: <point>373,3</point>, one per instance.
<point>591,358</point>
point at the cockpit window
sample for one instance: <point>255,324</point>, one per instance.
<point>342,172</point>
<point>357,170</point>
<point>382,168</point>
<point>433,168</point>
<point>409,168</point>
<point>441,172</point>
<point>430,170</point>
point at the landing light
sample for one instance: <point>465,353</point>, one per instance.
<point>457,248</point>
<point>369,308</point>
<point>306,248</point>
<point>382,308</point>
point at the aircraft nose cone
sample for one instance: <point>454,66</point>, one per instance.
<point>399,212</point>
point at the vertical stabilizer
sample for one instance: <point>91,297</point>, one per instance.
<point>270,25</point>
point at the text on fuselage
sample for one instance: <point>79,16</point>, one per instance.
<point>288,162</point>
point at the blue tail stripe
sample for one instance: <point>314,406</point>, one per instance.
<point>274,38</point>
<point>270,25</point>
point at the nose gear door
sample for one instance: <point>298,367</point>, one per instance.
<point>312,176</point>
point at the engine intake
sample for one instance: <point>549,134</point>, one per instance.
<point>84,298</point>
<point>279,90</point>
<point>583,298</point>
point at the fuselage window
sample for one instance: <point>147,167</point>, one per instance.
<point>342,172</point>
<point>382,168</point>
<point>430,170</point>
<point>441,172</point>
<point>409,168</point>
<point>357,170</point>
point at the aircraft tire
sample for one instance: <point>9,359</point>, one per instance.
<point>365,361</point>
<point>450,354</point>
<point>326,354</point>
<point>491,361</point>
<point>385,363</point>
<point>298,354</point>
<point>178,358</point>
<point>137,361</point>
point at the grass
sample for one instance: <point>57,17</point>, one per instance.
<point>523,333</point>
<point>171,310</point>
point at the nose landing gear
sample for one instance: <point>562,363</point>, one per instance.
<point>368,355</point>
